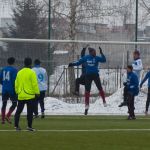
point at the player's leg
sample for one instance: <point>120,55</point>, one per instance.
<point>4,104</point>
<point>13,99</point>
<point>131,106</point>
<point>88,82</point>
<point>19,110</point>
<point>35,107</point>
<point>30,105</point>
<point>148,101</point>
<point>79,81</point>
<point>124,103</point>
<point>99,86</point>
<point>41,101</point>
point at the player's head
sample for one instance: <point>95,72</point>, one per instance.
<point>28,62</point>
<point>37,62</point>
<point>92,51</point>
<point>136,54</point>
<point>129,68</point>
<point>11,60</point>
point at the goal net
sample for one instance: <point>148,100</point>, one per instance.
<point>55,56</point>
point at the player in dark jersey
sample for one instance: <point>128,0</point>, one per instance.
<point>7,78</point>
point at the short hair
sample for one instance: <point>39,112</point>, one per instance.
<point>11,60</point>
<point>27,61</point>
<point>136,52</point>
<point>130,67</point>
<point>37,62</point>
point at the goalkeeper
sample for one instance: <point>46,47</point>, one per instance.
<point>92,74</point>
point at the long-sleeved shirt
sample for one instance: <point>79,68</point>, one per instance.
<point>137,67</point>
<point>91,62</point>
<point>147,76</point>
<point>42,77</point>
<point>132,83</point>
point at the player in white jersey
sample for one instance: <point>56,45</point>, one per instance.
<point>42,82</point>
<point>137,64</point>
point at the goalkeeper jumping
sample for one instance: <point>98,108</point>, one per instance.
<point>92,74</point>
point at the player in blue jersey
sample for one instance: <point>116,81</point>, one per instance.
<point>7,78</point>
<point>42,83</point>
<point>92,74</point>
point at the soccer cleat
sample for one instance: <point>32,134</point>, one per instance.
<point>42,115</point>
<point>131,118</point>
<point>105,104</point>
<point>86,112</point>
<point>123,104</point>
<point>30,129</point>
<point>17,128</point>
<point>8,120</point>
<point>36,116</point>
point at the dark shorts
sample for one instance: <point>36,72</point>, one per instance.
<point>7,96</point>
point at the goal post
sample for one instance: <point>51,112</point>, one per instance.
<point>118,55</point>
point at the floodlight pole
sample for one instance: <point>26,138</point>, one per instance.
<point>49,46</point>
<point>136,24</point>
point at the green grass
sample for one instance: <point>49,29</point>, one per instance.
<point>87,140</point>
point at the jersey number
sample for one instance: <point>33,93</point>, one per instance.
<point>40,77</point>
<point>6,76</point>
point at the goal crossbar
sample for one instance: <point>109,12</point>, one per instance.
<point>71,41</point>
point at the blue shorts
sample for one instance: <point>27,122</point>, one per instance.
<point>7,96</point>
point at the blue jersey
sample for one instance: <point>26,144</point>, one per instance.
<point>7,78</point>
<point>147,76</point>
<point>132,83</point>
<point>91,62</point>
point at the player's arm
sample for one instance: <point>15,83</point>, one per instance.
<point>14,75</point>
<point>35,83</point>
<point>1,76</point>
<point>145,78</point>
<point>83,51</point>
<point>77,63</point>
<point>16,85</point>
<point>101,58</point>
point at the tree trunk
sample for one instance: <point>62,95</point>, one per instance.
<point>73,6</point>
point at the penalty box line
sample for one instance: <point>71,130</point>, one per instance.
<point>92,130</point>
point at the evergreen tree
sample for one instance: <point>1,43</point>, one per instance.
<point>30,22</point>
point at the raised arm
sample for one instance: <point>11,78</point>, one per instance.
<point>145,78</point>
<point>101,58</point>
<point>83,50</point>
<point>77,63</point>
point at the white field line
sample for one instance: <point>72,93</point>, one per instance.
<point>90,130</point>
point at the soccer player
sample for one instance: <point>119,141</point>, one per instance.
<point>26,86</point>
<point>137,64</point>
<point>137,68</point>
<point>92,74</point>
<point>7,78</point>
<point>147,77</point>
<point>42,83</point>
<point>132,91</point>
<point>81,79</point>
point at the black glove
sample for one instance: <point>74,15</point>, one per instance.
<point>101,52</point>
<point>70,65</point>
<point>125,83</point>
